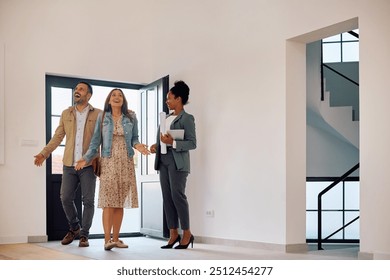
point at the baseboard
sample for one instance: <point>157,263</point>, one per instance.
<point>373,256</point>
<point>287,248</point>
<point>297,248</point>
<point>37,239</point>
<point>23,239</point>
<point>12,239</point>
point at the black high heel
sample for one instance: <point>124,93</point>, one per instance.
<point>185,246</point>
<point>169,246</point>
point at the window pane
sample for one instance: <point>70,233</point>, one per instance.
<point>133,101</point>
<point>311,225</point>
<point>332,221</point>
<point>152,117</point>
<point>61,98</point>
<point>352,195</point>
<point>150,120</point>
<point>56,160</point>
<point>99,96</point>
<point>352,231</point>
<point>333,199</point>
<point>331,53</point>
<point>349,37</point>
<point>335,38</point>
<point>152,205</point>
<point>54,124</point>
<point>350,51</point>
<point>312,191</point>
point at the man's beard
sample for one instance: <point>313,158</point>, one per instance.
<point>78,100</point>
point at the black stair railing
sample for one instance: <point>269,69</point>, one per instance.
<point>335,71</point>
<point>340,74</point>
<point>319,209</point>
<point>353,33</point>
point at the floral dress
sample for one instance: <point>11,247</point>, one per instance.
<point>118,187</point>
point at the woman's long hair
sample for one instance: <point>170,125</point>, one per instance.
<point>125,110</point>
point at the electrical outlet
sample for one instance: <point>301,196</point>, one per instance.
<point>210,213</point>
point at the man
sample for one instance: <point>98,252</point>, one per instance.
<point>77,123</point>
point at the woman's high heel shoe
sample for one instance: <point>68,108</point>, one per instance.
<point>169,246</point>
<point>185,246</point>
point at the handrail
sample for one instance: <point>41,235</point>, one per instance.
<point>342,75</point>
<point>343,227</point>
<point>354,34</point>
<point>343,177</point>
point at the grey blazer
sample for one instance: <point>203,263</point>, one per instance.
<point>181,154</point>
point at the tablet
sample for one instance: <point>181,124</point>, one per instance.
<point>177,134</point>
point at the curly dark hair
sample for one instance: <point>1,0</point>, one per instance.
<point>181,89</point>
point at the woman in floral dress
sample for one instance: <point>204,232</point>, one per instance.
<point>116,131</point>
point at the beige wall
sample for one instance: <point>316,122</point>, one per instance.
<point>244,62</point>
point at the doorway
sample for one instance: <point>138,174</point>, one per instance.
<point>147,101</point>
<point>333,138</point>
<point>296,127</point>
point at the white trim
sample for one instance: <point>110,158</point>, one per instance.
<point>37,239</point>
<point>287,248</point>
<point>373,256</point>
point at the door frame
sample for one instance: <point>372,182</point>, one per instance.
<point>56,223</point>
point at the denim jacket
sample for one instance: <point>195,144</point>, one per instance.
<point>106,130</point>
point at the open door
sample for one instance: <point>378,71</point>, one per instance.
<point>153,98</point>
<point>148,101</point>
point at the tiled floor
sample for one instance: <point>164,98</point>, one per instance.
<point>144,248</point>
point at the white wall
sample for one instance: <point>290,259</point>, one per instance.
<point>374,131</point>
<point>249,166</point>
<point>2,121</point>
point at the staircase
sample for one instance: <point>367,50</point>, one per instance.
<point>341,120</point>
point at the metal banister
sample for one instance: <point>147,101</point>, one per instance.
<point>319,209</point>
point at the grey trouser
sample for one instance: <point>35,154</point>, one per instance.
<point>71,180</point>
<point>173,184</point>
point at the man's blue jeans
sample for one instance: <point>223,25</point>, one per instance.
<point>71,180</point>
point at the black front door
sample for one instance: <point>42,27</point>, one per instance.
<point>59,96</point>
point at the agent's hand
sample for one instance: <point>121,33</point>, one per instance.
<point>80,164</point>
<point>166,138</point>
<point>142,148</point>
<point>39,159</point>
<point>153,148</point>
